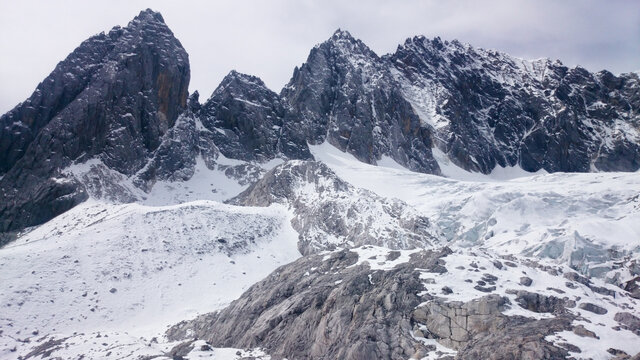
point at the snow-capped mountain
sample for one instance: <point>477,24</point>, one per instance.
<point>489,109</point>
<point>112,99</point>
<point>441,201</point>
<point>118,96</point>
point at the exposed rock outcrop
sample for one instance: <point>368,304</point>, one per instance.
<point>337,311</point>
<point>328,306</point>
<point>629,321</point>
<point>330,212</point>
<point>479,330</point>
<point>454,324</point>
<point>542,303</point>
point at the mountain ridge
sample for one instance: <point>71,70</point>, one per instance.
<point>383,200</point>
<point>478,108</point>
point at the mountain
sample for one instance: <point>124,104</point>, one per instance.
<point>112,98</point>
<point>346,95</point>
<point>249,121</point>
<point>118,98</point>
<point>330,213</point>
<point>439,202</point>
<point>492,109</point>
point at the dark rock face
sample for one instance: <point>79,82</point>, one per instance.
<point>633,287</point>
<point>345,94</point>
<point>491,109</point>
<point>526,281</point>
<point>628,321</point>
<point>113,98</point>
<point>593,308</point>
<point>247,121</point>
<point>542,303</point>
<point>175,158</point>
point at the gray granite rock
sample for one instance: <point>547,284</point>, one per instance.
<point>320,309</point>
<point>330,212</point>
<point>322,306</point>
<point>593,308</point>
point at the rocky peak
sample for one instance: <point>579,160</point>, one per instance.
<point>343,44</point>
<point>345,94</point>
<point>424,43</point>
<point>239,84</point>
<point>339,55</point>
<point>246,118</point>
<point>491,109</point>
<point>235,76</point>
<point>438,58</point>
<point>112,99</point>
<point>445,60</point>
<point>342,34</point>
<point>147,15</point>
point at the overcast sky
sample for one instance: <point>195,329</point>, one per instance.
<point>268,38</point>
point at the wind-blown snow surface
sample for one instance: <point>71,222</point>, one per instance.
<point>572,217</point>
<point>128,271</point>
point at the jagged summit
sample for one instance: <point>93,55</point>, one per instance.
<point>491,109</point>
<point>112,99</point>
<point>342,34</point>
<point>442,48</point>
<point>342,43</point>
<point>479,109</point>
<point>247,121</point>
<point>240,78</point>
<point>148,15</point>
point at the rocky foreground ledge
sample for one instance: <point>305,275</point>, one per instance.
<point>376,303</point>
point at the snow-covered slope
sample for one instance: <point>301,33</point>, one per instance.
<point>589,221</point>
<point>109,278</point>
<point>330,213</point>
<point>128,271</point>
